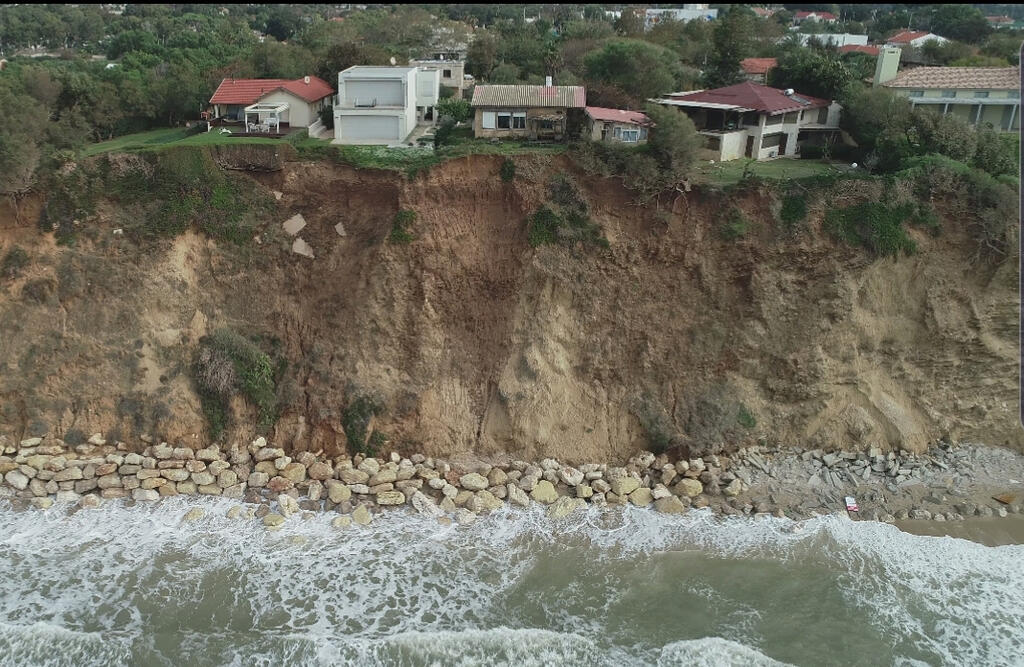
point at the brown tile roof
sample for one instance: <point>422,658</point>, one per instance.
<point>754,96</point>
<point>758,65</point>
<point>618,115</point>
<point>859,48</point>
<point>958,78</point>
<point>572,97</point>
<point>907,36</point>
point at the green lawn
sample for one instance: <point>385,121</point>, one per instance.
<point>728,173</point>
<point>410,160</point>
<point>155,139</point>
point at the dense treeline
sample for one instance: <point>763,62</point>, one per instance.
<point>156,65</point>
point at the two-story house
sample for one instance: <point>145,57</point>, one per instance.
<point>452,73</point>
<point>979,95</point>
<point>755,121</point>
<point>383,105</point>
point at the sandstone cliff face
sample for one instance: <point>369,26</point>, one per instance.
<point>478,342</point>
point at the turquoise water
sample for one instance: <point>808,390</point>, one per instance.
<point>133,585</point>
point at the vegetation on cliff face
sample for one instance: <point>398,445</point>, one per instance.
<point>228,364</point>
<point>565,218</point>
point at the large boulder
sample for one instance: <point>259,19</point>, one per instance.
<point>473,482</point>
<point>690,488</point>
<point>544,492</point>
<point>565,506</point>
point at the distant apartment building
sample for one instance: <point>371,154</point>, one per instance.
<point>979,95</point>
<point>838,39</point>
<point>653,17</point>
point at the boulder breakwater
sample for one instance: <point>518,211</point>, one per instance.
<point>947,483</point>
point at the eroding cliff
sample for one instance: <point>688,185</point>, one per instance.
<point>674,336</point>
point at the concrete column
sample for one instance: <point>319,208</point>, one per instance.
<point>945,109</point>
<point>1013,116</point>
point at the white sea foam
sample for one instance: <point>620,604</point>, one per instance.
<point>409,591</point>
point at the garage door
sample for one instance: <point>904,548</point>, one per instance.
<point>383,128</point>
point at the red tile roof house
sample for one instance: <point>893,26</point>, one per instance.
<point>916,38</point>
<point>756,69</point>
<point>824,17</point>
<point>283,103</point>
<point>616,125</point>
<point>859,48</point>
<point>755,121</point>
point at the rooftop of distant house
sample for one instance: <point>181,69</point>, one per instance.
<point>758,65</point>
<point>859,48</point>
<point>999,19</point>
<point>618,115</point>
<point>747,96</point>
<point>247,91</point>
<point>907,36</point>
<point>958,78</point>
<point>573,97</point>
<point>829,16</point>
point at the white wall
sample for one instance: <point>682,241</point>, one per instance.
<point>428,86</point>
<point>387,92</point>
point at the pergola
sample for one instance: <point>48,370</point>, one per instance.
<point>267,116</point>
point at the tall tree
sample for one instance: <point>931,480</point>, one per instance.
<point>963,22</point>
<point>733,40</point>
<point>640,69</point>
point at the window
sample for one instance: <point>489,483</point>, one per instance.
<point>488,120</point>
<point>981,93</point>
<point>949,93</point>
<point>771,141</point>
<point>823,116</point>
<point>790,117</point>
<point>630,136</point>
<point>617,132</point>
<point>519,120</point>
<point>446,73</point>
<point>773,120</point>
<point>643,132</point>
<point>917,93</point>
<point>504,120</point>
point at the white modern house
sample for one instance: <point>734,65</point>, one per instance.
<point>383,105</point>
<point>838,39</point>
<point>688,12</point>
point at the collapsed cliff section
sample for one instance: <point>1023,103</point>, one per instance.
<point>703,324</point>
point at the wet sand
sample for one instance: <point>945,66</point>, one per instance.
<point>990,531</point>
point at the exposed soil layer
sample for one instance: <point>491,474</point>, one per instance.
<point>476,342</point>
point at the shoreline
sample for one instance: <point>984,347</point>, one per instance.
<point>964,490</point>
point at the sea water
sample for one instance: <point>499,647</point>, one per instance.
<point>135,585</point>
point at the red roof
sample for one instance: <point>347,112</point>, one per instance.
<point>906,36</point>
<point>859,48</point>
<point>828,16</point>
<point>762,12</point>
<point>750,95</point>
<point>999,19</point>
<point>618,115</point>
<point>247,91</point>
<point>758,65</point>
